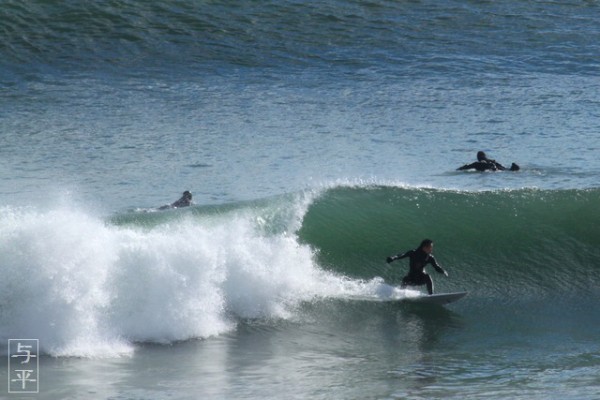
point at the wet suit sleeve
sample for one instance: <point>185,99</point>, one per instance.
<point>499,166</point>
<point>479,166</point>
<point>437,267</point>
<point>398,256</point>
<point>466,166</point>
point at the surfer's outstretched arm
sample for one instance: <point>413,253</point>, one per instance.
<point>398,256</point>
<point>466,166</point>
<point>437,267</point>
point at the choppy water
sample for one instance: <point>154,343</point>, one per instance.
<point>317,139</point>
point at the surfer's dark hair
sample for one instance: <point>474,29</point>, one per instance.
<point>425,243</point>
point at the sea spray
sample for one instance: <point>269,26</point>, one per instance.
<point>88,287</point>
<point>54,268</point>
<point>70,279</point>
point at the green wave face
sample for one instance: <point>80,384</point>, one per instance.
<point>502,242</point>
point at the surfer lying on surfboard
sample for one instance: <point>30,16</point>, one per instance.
<point>419,258</point>
<point>485,164</point>
<point>184,201</point>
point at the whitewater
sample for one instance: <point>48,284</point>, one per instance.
<point>96,288</point>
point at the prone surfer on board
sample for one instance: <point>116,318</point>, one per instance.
<point>485,164</point>
<point>419,258</point>
<point>184,201</point>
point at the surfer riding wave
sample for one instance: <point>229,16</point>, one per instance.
<point>419,258</point>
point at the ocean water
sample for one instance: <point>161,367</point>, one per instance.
<point>317,138</point>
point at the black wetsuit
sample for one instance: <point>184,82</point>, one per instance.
<point>481,166</point>
<point>417,275</point>
<point>488,165</point>
<point>182,202</point>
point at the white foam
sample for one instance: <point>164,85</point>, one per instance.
<point>87,288</point>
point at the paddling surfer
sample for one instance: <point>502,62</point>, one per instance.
<point>485,164</point>
<point>419,258</point>
<point>184,201</point>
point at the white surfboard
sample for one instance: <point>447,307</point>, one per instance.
<point>441,298</point>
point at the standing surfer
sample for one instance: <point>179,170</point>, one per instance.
<point>419,258</point>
